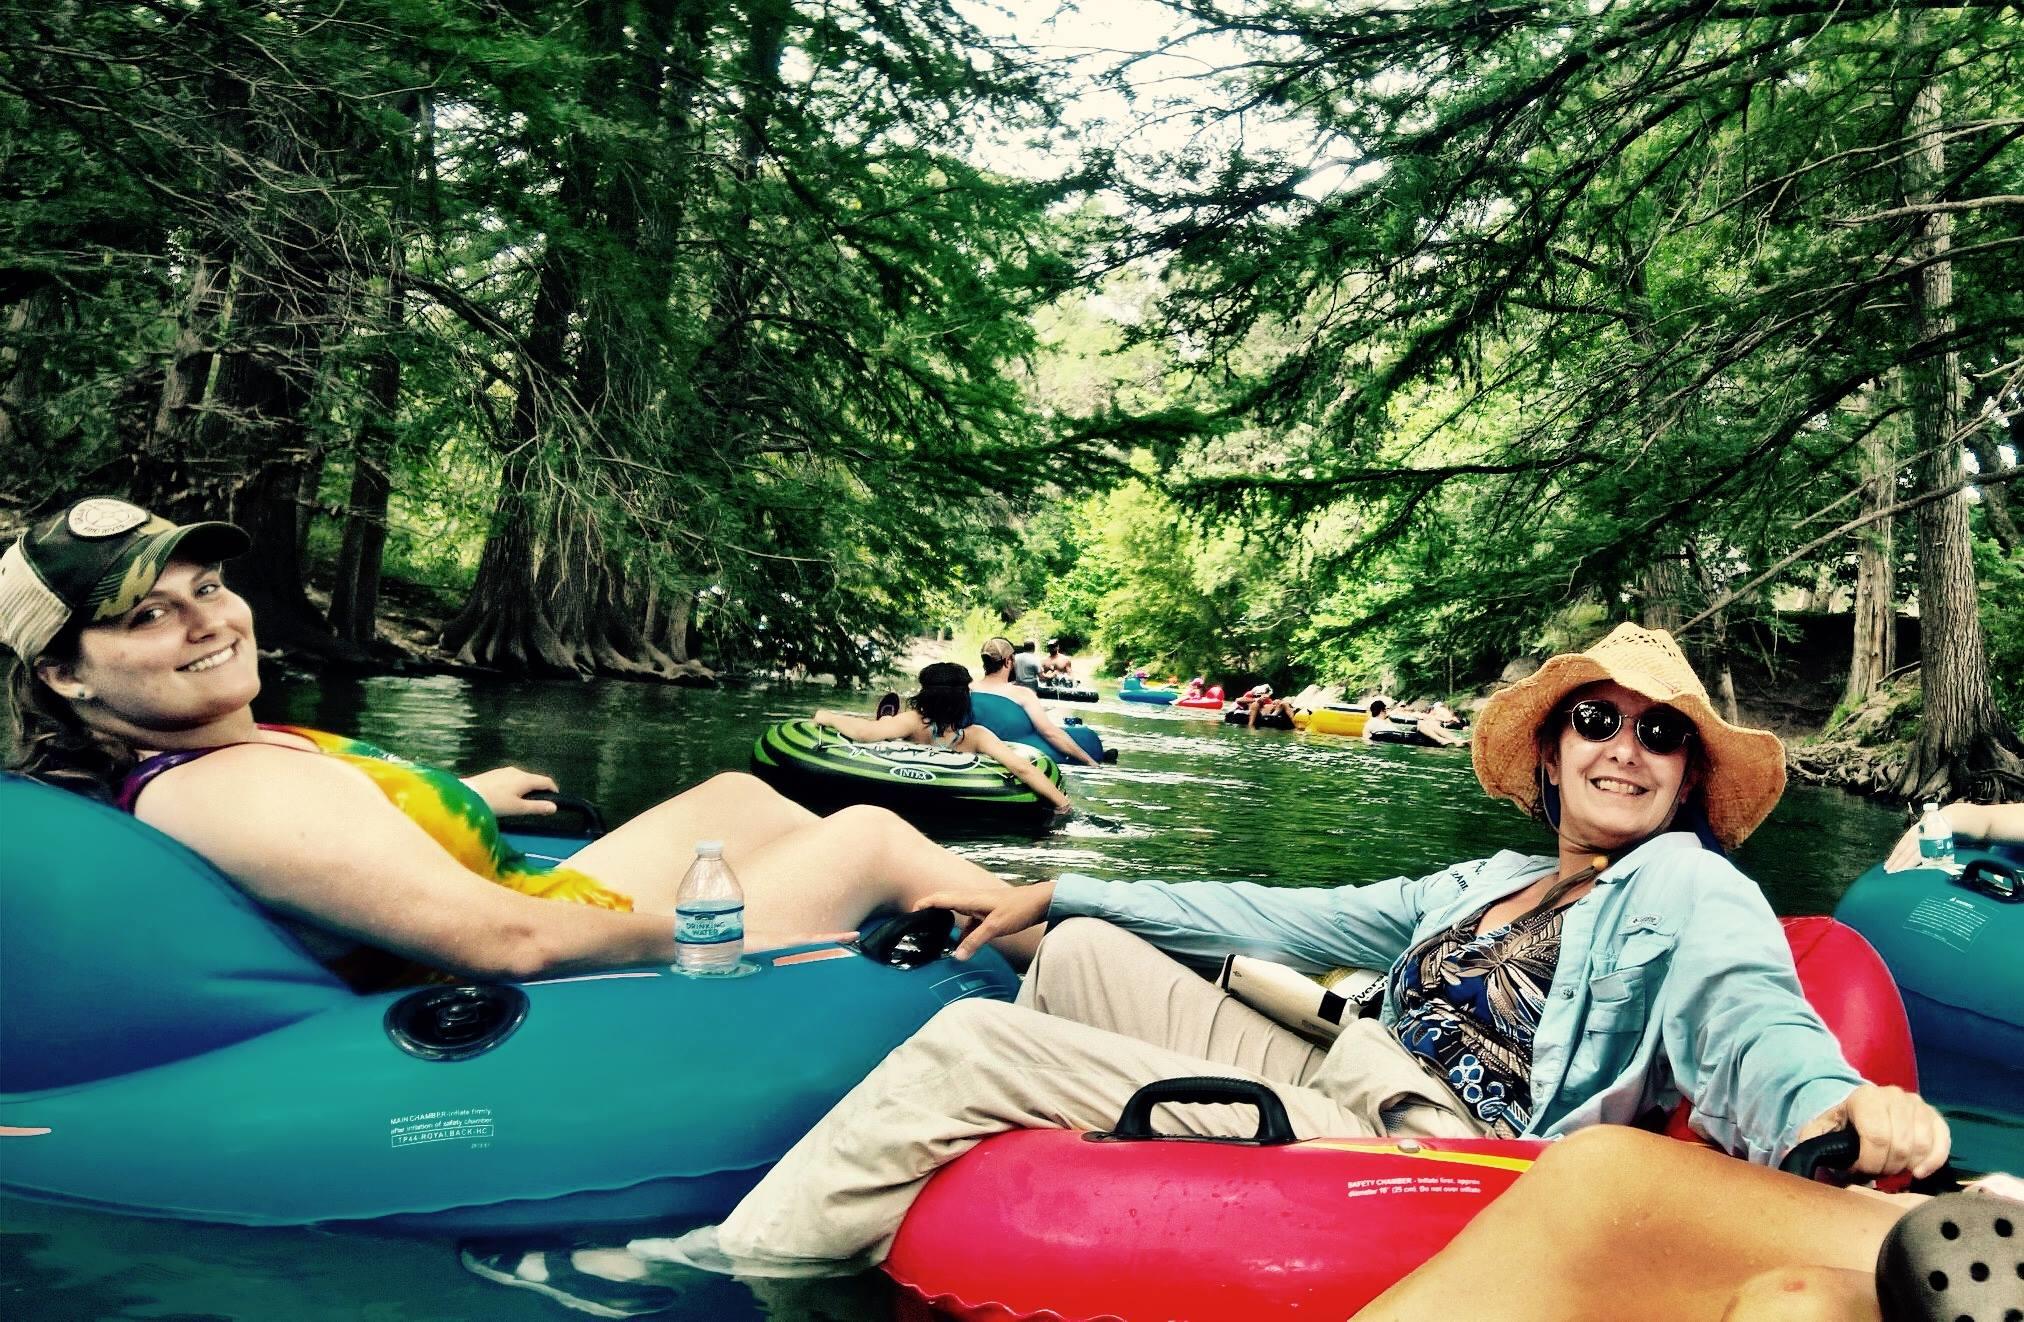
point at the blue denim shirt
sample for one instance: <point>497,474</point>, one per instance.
<point>1674,980</point>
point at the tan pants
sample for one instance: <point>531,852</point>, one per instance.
<point>1102,1014</point>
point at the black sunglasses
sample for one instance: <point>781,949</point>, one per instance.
<point>1661,730</point>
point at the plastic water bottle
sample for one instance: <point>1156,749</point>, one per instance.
<point>1936,840</point>
<point>710,916</point>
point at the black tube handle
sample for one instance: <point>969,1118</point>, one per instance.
<point>908,940</point>
<point>1835,1151</point>
<point>1994,878</point>
<point>1135,1124</point>
<point>593,820</point>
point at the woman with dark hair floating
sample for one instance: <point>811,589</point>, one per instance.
<point>940,715</point>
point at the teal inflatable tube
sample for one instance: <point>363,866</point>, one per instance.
<point>1006,719</point>
<point>168,1051</point>
<point>1953,944</point>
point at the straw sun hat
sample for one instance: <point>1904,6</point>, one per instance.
<point>1745,767</point>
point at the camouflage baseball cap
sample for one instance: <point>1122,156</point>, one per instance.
<point>95,560</point>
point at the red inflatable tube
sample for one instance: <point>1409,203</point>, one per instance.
<point>1045,1224</point>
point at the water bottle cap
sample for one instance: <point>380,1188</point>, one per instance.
<point>1932,807</point>
<point>709,849</point>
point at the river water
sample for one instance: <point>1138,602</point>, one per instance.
<point>1189,798</point>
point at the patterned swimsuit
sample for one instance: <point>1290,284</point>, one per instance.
<point>1470,1006</point>
<point>455,817</point>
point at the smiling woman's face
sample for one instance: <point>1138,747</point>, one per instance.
<point>183,657</point>
<point>1618,791</point>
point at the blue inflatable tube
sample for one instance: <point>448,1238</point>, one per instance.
<point>1006,719</point>
<point>168,1051</point>
<point>1953,944</point>
<point>1134,689</point>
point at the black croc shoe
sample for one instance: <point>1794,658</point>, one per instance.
<point>1959,1258</point>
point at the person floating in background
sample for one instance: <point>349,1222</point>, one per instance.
<point>939,715</point>
<point>1026,666</point>
<point>1378,723</point>
<point>1440,724</point>
<point>1258,704</point>
<point>997,656</point>
<point>1057,662</point>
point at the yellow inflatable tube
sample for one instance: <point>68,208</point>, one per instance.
<point>1332,720</point>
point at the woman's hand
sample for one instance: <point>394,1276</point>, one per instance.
<point>1900,1131</point>
<point>1905,853</point>
<point>986,913</point>
<point>1971,823</point>
<point>505,791</point>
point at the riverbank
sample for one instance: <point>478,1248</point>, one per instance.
<point>1866,750</point>
<point>411,621</point>
<point>1786,682</point>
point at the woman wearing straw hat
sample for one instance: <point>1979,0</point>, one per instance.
<point>1527,995</point>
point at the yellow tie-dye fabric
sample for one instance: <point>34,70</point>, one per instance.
<point>458,818</point>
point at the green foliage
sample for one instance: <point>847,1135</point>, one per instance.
<point>2000,579</point>
<point>653,304</point>
<point>1602,316</point>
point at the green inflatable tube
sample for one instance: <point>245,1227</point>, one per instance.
<point>818,767</point>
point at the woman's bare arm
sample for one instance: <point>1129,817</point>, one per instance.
<point>865,729</point>
<point>312,838</point>
<point>1972,824</point>
<point>980,740</point>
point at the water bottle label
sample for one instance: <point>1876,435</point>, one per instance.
<point>709,927</point>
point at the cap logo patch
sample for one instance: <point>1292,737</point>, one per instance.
<point>105,517</point>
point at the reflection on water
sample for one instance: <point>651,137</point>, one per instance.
<point>1189,798</point>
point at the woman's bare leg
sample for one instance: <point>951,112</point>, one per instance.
<point>1615,1223</point>
<point>857,861</point>
<point>802,874</point>
<point>647,855</point>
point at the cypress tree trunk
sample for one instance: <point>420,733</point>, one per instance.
<point>354,595</point>
<point>190,358</point>
<point>1873,654</point>
<point>502,623</point>
<point>505,622</point>
<point>667,620</point>
<point>20,385</point>
<point>1664,589</point>
<point>1964,746</point>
